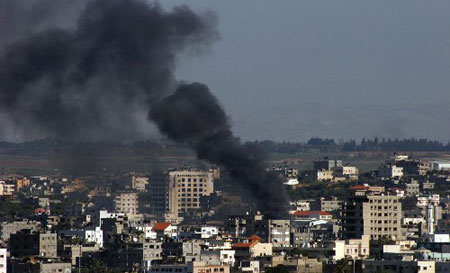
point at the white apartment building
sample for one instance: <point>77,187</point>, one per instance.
<point>94,235</point>
<point>207,232</point>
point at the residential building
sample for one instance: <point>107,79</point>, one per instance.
<point>24,244</point>
<point>372,213</point>
<point>390,171</point>
<point>347,172</point>
<point>324,175</point>
<point>186,188</point>
<point>440,165</point>
<point>319,215</point>
<point>127,203</point>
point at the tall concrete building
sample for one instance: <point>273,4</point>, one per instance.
<point>186,187</point>
<point>158,190</point>
<point>127,203</point>
<point>369,211</point>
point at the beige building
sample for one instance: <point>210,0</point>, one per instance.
<point>139,183</point>
<point>55,267</point>
<point>127,203</point>
<point>330,205</point>
<point>382,216</point>
<point>324,175</point>
<point>6,189</point>
<point>48,245</point>
<point>372,213</point>
<point>347,172</point>
<point>186,187</point>
<point>352,249</point>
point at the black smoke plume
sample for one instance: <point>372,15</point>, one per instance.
<point>193,116</point>
<point>98,79</point>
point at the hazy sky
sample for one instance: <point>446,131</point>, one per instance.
<point>293,69</point>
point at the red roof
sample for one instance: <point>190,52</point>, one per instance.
<point>255,238</point>
<point>160,226</point>
<point>244,245</point>
<point>309,212</point>
<point>359,188</point>
<point>39,211</point>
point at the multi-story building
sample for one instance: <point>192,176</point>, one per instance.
<point>25,244</point>
<point>218,256</point>
<point>373,213</point>
<point>347,172</point>
<point>127,203</point>
<point>331,205</point>
<point>352,249</point>
<point>158,194</point>
<point>186,187</point>
<point>22,182</point>
<point>390,171</point>
<point>90,235</point>
<point>440,165</point>
<point>302,205</point>
<point>412,166</point>
<point>48,245</point>
<point>152,253</point>
<point>324,175</point>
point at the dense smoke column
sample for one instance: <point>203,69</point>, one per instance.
<point>192,115</point>
<point>95,81</point>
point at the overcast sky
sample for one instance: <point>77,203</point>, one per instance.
<point>293,69</point>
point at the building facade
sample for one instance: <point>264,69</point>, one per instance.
<point>186,187</point>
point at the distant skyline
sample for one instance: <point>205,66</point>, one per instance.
<point>293,70</point>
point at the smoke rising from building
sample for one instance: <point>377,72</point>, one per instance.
<point>192,115</point>
<point>98,79</point>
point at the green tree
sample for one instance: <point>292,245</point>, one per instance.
<point>343,266</point>
<point>95,266</point>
